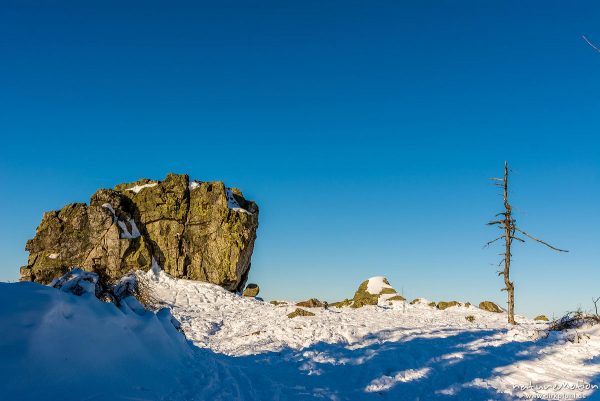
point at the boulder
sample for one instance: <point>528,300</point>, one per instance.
<point>251,290</point>
<point>445,305</point>
<point>372,290</point>
<point>195,230</point>
<point>541,318</point>
<point>490,307</point>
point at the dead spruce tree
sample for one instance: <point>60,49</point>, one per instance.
<point>508,226</point>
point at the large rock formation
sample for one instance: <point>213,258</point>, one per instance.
<point>191,229</point>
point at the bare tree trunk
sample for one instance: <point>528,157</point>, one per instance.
<point>508,236</point>
<point>509,227</point>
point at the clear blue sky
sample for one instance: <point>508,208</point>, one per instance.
<point>366,131</point>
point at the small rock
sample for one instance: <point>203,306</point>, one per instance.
<point>277,303</point>
<point>251,290</point>
<point>470,318</point>
<point>300,312</point>
<point>542,318</point>
<point>311,303</point>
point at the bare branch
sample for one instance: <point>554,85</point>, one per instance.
<point>593,46</point>
<point>540,241</point>
<point>492,241</point>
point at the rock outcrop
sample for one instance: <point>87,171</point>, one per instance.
<point>191,229</point>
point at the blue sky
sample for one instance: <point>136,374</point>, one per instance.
<point>365,131</point>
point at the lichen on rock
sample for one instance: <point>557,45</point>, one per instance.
<point>188,228</point>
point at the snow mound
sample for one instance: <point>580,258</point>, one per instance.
<point>56,345</point>
<point>377,284</point>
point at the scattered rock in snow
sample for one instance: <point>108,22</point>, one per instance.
<point>542,318</point>
<point>299,312</point>
<point>341,304</point>
<point>311,303</point>
<point>445,305</point>
<point>277,303</point>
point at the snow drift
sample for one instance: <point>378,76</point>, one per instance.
<point>56,345</point>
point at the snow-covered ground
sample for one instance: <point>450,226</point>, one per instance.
<point>244,349</point>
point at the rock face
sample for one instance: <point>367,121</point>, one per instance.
<point>191,229</point>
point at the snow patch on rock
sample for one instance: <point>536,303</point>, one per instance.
<point>138,188</point>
